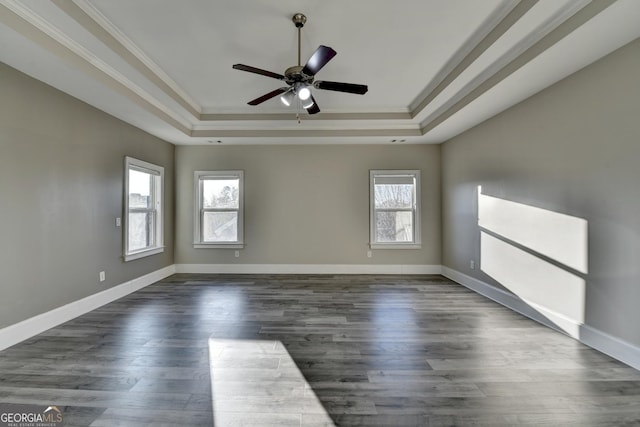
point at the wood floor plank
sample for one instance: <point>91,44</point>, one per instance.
<point>315,350</point>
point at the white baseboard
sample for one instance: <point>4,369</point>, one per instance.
<point>307,269</point>
<point>611,346</point>
<point>28,328</point>
<point>601,341</point>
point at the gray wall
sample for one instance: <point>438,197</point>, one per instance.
<point>572,149</point>
<point>61,188</point>
<point>308,204</point>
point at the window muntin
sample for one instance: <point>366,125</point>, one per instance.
<point>143,209</point>
<point>219,209</point>
<point>395,209</point>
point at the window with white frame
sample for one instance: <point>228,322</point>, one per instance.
<point>143,209</point>
<point>394,209</point>
<point>219,209</point>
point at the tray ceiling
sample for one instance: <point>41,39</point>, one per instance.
<point>434,68</point>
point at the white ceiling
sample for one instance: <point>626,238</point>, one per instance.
<point>434,67</point>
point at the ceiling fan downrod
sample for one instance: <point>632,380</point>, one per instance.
<point>299,20</point>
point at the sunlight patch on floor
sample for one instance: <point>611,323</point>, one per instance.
<point>257,382</point>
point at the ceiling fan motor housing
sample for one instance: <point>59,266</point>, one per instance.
<point>294,75</point>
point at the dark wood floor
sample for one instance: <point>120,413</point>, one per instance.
<point>315,350</point>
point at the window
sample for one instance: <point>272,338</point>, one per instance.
<point>219,209</point>
<point>395,209</point>
<point>143,209</point>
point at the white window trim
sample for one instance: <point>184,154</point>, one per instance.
<point>198,210</point>
<point>141,165</point>
<point>416,209</point>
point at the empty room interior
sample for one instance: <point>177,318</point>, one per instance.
<point>302,213</point>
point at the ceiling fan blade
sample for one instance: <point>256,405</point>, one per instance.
<point>342,87</point>
<point>255,70</point>
<point>319,59</point>
<point>267,96</point>
<point>314,109</point>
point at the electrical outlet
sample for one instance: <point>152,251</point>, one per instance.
<point>102,276</point>
<point>118,222</point>
<point>369,254</point>
<point>237,254</point>
<point>472,264</point>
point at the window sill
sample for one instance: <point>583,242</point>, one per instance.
<point>143,253</point>
<point>395,246</point>
<point>233,245</point>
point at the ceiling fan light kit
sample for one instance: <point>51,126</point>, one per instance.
<point>301,78</point>
<point>287,97</point>
<point>304,93</point>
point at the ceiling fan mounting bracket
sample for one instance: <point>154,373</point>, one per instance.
<point>299,20</point>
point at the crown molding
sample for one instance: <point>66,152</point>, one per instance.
<point>92,20</point>
<point>214,117</point>
<point>302,133</point>
<point>493,28</point>
<point>32,26</point>
<point>561,24</point>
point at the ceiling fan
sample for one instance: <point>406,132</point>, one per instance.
<point>300,79</point>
